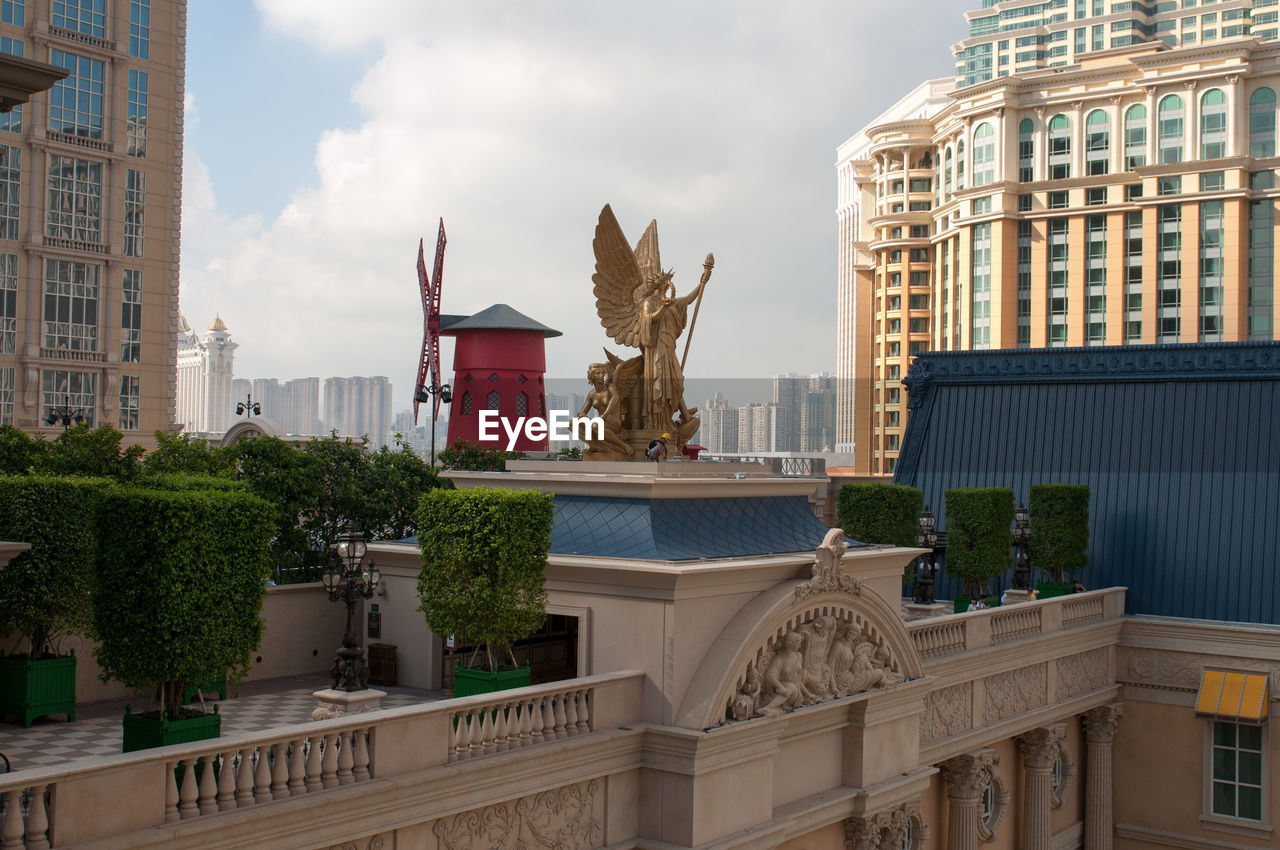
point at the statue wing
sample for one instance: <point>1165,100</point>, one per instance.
<point>647,252</point>
<point>617,280</point>
<point>624,373</point>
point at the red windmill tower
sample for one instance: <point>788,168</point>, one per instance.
<point>499,361</point>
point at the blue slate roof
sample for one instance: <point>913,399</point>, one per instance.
<point>1179,444</point>
<point>684,529</point>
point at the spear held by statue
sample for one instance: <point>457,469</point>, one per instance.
<point>707,266</point>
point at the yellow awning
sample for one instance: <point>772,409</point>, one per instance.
<point>1233,696</point>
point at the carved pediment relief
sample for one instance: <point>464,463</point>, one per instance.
<point>800,644</point>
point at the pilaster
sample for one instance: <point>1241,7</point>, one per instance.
<point>1100,732</point>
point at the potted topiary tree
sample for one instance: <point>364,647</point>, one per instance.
<point>178,599</point>
<point>1059,539</point>
<point>979,539</point>
<point>484,553</point>
<point>880,513</point>
<point>45,592</point>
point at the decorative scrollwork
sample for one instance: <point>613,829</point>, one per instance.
<point>563,818</point>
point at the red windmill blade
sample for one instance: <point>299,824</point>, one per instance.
<point>429,362</point>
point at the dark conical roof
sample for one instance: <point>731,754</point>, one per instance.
<point>497,317</point>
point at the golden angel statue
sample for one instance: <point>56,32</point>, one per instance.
<point>638,307</point>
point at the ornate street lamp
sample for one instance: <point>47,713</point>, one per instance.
<point>1021,537</point>
<point>350,580</point>
<point>66,414</point>
<point>423,396</point>
<point>248,407</point>
<point>935,541</point>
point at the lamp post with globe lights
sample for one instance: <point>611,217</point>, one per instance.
<point>351,580</point>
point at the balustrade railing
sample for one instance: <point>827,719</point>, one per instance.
<point>941,637</point>
<point>240,771</point>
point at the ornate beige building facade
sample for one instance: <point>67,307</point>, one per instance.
<point>90,212</point>
<point>1128,199</point>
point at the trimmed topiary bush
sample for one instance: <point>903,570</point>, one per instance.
<point>180,582</point>
<point>45,592</point>
<point>1059,529</point>
<point>979,535</point>
<point>484,553</point>
<point>880,513</point>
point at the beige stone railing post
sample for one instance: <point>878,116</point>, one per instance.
<point>966,777</point>
<point>1100,732</point>
<point>1039,750</point>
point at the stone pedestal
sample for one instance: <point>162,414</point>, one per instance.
<point>1014,597</point>
<point>916,611</point>
<point>337,703</point>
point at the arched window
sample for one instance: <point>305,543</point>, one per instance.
<point>1059,148</point>
<point>468,403</point>
<point>1135,137</point>
<point>946,177</point>
<point>1262,123</point>
<point>984,155</point>
<point>1026,151</point>
<point>1169,129</point>
<point>937,181</point>
<point>522,404</point>
<point>1213,124</point>
<point>1097,143</point>
<point>960,165</point>
<point>493,401</point>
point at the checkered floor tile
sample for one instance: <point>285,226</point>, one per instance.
<point>52,741</point>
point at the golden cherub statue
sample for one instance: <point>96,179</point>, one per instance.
<point>638,307</point>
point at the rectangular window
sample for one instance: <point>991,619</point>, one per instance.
<point>13,12</point>
<point>1261,269</point>
<point>130,401</point>
<point>8,303</point>
<point>1093,197</point>
<point>1237,770</point>
<point>1211,232</point>
<point>140,28</point>
<point>61,389</point>
<point>75,102</point>
<point>75,199</point>
<point>1169,272</point>
<point>134,211</point>
<point>1169,186</point>
<point>1262,180</point>
<point>83,16</point>
<point>10,179</point>
<point>6,395</point>
<point>135,126</point>
<point>131,317</point>
<point>1057,200</point>
<point>11,121</point>
<point>1213,181</point>
<point>1057,294</point>
<point>71,305</point>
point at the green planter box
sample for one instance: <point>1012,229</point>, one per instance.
<point>31,688</point>
<point>1048,591</point>
<point>154,729</point>
<point>468,682</point>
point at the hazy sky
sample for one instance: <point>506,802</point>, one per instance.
<point>324,138</point>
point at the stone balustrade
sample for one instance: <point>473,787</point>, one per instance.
<point>44,808</point>
<point>941,637</point>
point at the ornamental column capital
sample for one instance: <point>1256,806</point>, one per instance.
<point>1100,723</point>
<point>1039,748</point>
<point>967,775</point>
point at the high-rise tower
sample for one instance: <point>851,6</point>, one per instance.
<point>90,211</point>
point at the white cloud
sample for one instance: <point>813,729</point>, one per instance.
<point>516,123</point>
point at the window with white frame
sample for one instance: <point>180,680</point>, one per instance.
<point>135,124</point>
<point>13,12</point>
<point>75,102</point>
<point>71,305</point>
<point>984,155</point>
<point>1097,142</point>
<point>1237,770</point>
<point>65,389</point>
<point>1213,124</point>
<point>6,395</point>
<point>84,16</point>
<point>1169,129</point>
<point>10,197</point>
<point>75,199</point>
<point>130,402</point>
<point>140,28</point>
<point>1059,148</point>
<point>1262,123</point>
<point>1135,137</point>
<point>134,211</point>
<point>131,317</point>
<point>8,303</point>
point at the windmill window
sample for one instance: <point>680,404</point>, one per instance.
<point>521,379</point>
<point>467,402</point>
<point>492,400</point>
<point>522,404</point>
<point>494,378</point>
